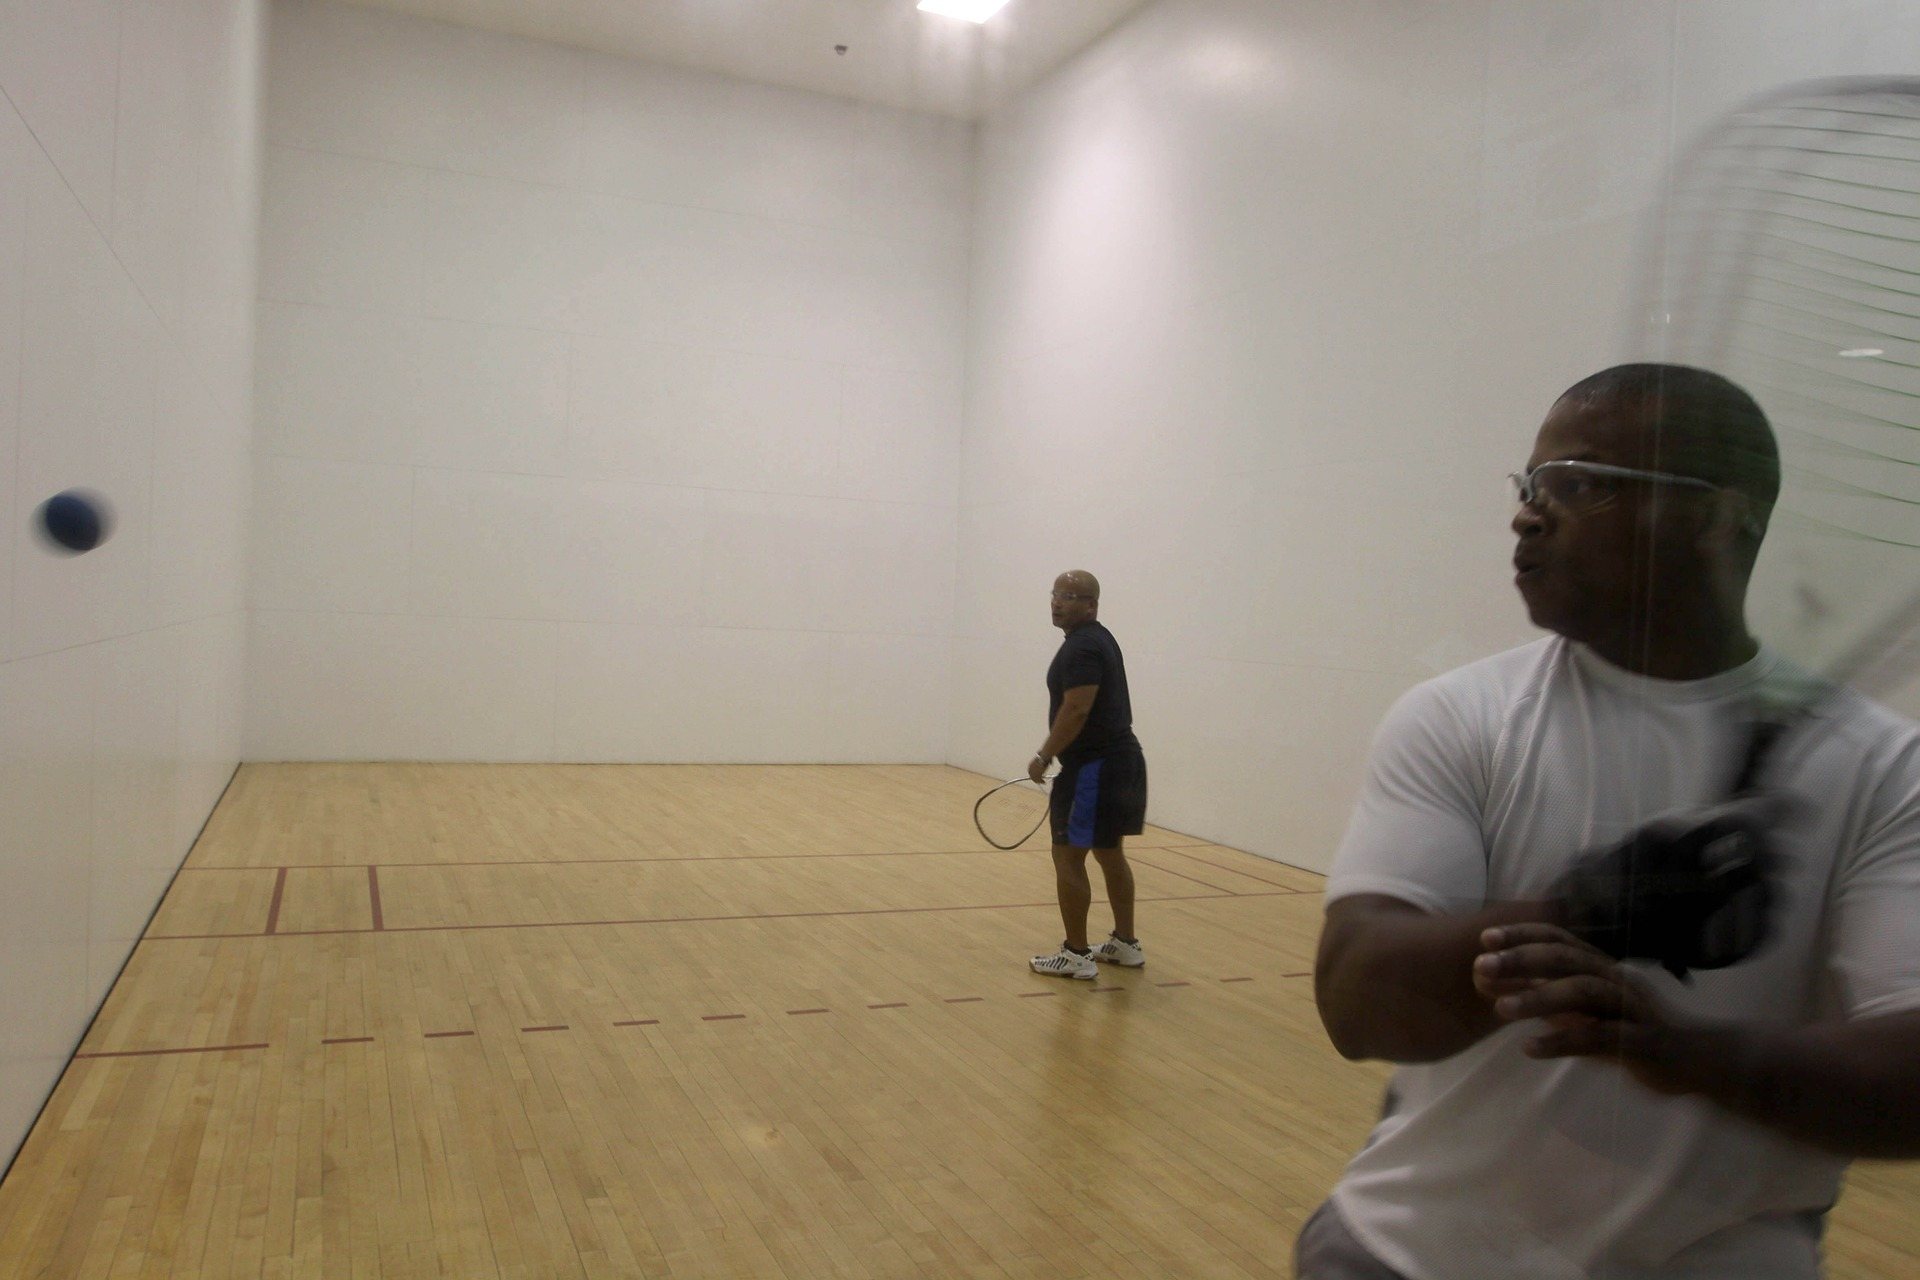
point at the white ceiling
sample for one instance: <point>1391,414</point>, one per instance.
<point>896,55</point>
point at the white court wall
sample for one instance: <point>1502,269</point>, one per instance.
<point>128,204</point>
<point>606,412</point>
<point>1266,300</point>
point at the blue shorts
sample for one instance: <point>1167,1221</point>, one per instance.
<point>1096,802</point>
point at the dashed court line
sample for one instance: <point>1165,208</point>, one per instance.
<point>1094,988</point>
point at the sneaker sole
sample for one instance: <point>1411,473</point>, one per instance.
<point>1054,973</point>
<point>1124,964</point>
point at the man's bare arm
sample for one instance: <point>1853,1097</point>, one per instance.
<point>1075,705</point>
<point>1393,981</point>
<point>1852,1088</point>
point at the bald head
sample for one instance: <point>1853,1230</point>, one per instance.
<point>1080,582</point>
<point>1076,599</point>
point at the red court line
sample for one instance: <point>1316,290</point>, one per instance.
<point>155,1053</point>
<point>730,919</point>
<point>373,896</point>
<point>279,892</point>
<point>1237,871</point>
<point>716,857</point>
<point>631,1022</point>
<point>1181,874</point>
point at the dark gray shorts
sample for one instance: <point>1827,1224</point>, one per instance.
<point>1326,1250</point>
<point>1097,803</point>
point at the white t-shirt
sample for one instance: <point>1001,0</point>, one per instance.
<point>1483,786</point>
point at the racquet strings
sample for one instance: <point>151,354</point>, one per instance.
<point>1011,813</point>
<point>1793,267</point>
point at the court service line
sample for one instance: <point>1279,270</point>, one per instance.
<point>726,919</point>
<point>1151,866</point>
<point>1231,870</point>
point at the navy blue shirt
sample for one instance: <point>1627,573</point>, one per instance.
<point>1090,655</point>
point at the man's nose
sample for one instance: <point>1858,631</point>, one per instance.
<point>1530,520</point>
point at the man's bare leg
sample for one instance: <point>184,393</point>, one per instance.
<point>1075,892</point>
<point>1119,873</point>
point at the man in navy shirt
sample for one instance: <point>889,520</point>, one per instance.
<point>1100,795</point>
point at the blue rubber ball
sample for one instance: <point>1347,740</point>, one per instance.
<point>74,521</point>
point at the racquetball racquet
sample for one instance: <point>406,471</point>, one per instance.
<point>1787,258</point>
<point>1789,261</point>
<point>1012,813</point>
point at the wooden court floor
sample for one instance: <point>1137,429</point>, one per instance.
<point>691,1021</point>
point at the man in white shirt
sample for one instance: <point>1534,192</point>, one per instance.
<point>1557,1113</point>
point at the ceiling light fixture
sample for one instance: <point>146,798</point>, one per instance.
<point>971,10</point>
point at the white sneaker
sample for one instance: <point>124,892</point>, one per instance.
<point>1116,950</point>
<point>1066,964</point>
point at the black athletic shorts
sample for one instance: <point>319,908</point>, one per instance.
<point>1096,802</point>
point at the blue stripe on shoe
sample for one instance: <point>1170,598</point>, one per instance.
<point>1086,804</point>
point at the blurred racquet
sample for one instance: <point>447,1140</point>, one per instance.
<point>1789,261</point>
<point>1009,815</point>
<point>1787,258</point>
